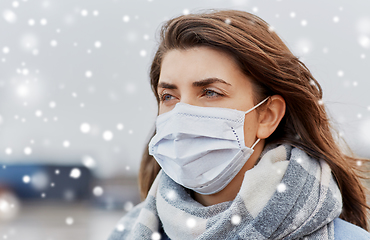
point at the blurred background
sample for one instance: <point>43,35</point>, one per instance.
<point>76,109</point>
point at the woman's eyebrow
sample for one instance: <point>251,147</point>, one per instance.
<point>208,81</point>
<point>167,85</point>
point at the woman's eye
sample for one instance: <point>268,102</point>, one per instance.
<point>211,93</point>
<point>166,97</point>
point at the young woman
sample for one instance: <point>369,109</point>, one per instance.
<point>243,147</point>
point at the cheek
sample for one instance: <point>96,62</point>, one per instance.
<point>250,129</point>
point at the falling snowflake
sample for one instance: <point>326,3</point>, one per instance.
<point>84,13</point>
<point>69,220</point>
<point>43,22</point>
<point>88,162</point>
<point>98,191</point>
<point>107,135</point>
<point>120,126</point>
<point>303,46</point>
<point>75,173</point>
<point>88,74</point>
<point>281,187</point>
<point>8,151</point>
<point>156,236</point>
<point>27,151</point>
<point>235,219</point>
<point>186,11</point>
<point>97,44</point>
<point>26,179</point>
<point>15,4</point>
<point>9,16</point>
<point>120,227</point>
<point>171,195</point>
<point>6,50</point>
<point>191,222</point>
<point>85,128</point>
<point>38,113</point>
<point>66,144</point>
<point>52,104</point>
<point>143,53</point>
<point>364,41</point>
<point>53,43</point>
<point>126,18</point>
<point>128,206</point>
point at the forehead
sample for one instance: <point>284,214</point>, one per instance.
<point>198,62</point>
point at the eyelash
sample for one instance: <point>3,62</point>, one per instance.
<point>204,92</point>
<point>161,97</point>
<point>217,93</point>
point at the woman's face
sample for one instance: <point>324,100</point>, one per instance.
<point>205,77</point>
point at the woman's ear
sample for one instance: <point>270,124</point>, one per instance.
<point>270,116</point>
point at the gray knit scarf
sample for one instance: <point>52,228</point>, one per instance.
<point>287,195</point>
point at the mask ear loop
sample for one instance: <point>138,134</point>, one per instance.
<point>258,140</point>
<point>259,104</point>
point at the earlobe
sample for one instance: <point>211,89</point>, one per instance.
<point>271,116</point>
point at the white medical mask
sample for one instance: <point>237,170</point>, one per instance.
<point>201,148</point>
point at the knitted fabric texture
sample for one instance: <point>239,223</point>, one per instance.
<point>287,195</point>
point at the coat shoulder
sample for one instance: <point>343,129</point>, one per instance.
<point>344,230</point>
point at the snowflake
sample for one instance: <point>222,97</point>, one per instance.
<point>9,16</point>
<point>156,236</point>
<point>27,151</point>
<point>235,219</point>
<point>340,73</point>
<point>120,227</point>
<point>26,179</point>
<point>126,18</point>
<point>6,50</point>
<point>85,128</point>
<point>66,144</point>
<point>75,173</point>
<point>98,191</point>
<point>191,222</point>
<point>281,187</point>
<point>69,220</point>
<point>107,135</point>
<point>128,206</point>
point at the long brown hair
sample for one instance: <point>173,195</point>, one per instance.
<point>263,56</point>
